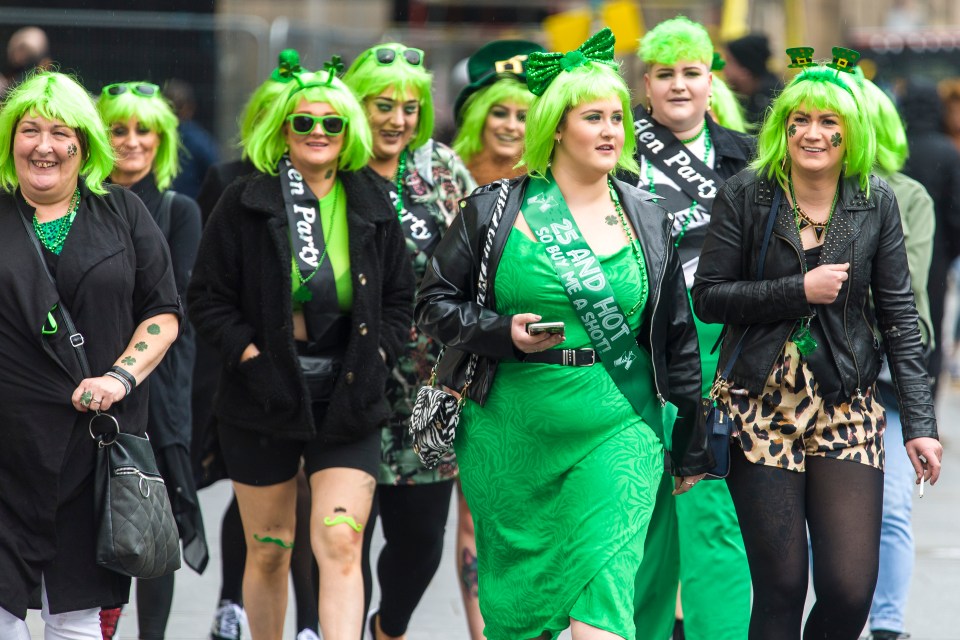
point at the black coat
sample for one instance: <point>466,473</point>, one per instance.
<point>865,231</point>
<point>447,309</point>
<point>114,272</point>
<point>241,294</point>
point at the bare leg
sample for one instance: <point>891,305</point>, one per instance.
<point>467,566</point>
<point>269,519</point>
<point>583,631</point>
<point>341,504</point>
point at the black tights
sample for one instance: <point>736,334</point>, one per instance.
<point>154,598</point>
<point>841,502</point>
<point>414,519</point>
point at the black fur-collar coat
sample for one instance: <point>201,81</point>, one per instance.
<point>241,294</point>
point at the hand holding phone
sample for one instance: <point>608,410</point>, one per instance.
<point>536,328</point>
<point>527,341</point>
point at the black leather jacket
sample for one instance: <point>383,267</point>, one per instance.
<point>866,232</point>
<point>447,310</point>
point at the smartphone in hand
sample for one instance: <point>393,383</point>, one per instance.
<point>536,328</point>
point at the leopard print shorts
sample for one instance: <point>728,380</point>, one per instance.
<point>789,420</point>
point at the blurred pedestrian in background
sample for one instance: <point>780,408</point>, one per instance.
<point>748,75</point>
<point>198,151</point>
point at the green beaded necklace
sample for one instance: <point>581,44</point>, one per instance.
<point>54,233</point>
<point>303,293</point>
<point>398,180</point>
<point>652,186</point>
<point>635,245</point>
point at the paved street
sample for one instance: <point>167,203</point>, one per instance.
<point>933,612</point>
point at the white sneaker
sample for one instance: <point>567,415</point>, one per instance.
<point>229,622</point>
<point>308,634</point>
<point>368,628</point>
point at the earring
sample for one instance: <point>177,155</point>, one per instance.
<point>783,164</point>
<point>558,139</point>
<point>649,107</point>
<point>710,102</point>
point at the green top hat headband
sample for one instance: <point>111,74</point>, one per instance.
<point>843,60</point>
<point>288,65</point>
<point>492,62</point>
<point>543,68</point>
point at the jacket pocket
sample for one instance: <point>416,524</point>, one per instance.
<point>264,384</point>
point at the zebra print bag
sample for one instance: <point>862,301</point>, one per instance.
<point>436,412</point>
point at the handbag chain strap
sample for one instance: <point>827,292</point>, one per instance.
<point>481,286</point>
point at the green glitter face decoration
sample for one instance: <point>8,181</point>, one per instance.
<point>836,139</point>
<point>792,130</point>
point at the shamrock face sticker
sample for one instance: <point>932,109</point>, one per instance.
<point>836,139</point>
<point>792,130</point>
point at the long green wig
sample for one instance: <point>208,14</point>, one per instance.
<point>892,149</point>
<point>469,140</point>
<point>56,96</point>
<point>266,143</point>
<point>592,81</point>
<point>367,78</point>
<point>822,88</point>
<point>154,113</point>
<point>675,40</point>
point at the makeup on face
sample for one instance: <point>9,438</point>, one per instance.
<point>679,94</point>
<point>393,121</point>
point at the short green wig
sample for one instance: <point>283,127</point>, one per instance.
<point>892,149</point>
<point>592,81</point>
<point>154,113</point>
<point>266,143</point>
<point>260,100</point>
<point>676,40</point>
<point>469,140</point>
<point>56,96</point>
<point>367,78</point>
<point>822,88</point>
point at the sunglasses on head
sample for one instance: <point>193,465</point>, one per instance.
<point>304,123</point>
<point>142,89</point>
<point>387,56</point>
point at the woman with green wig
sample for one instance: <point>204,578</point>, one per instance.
<point>685,154</point>
<point>587,368</point>
<point>808,451</point>
<point>143,133</point>
<point>303,285</point>
<point>71,247</point>
<point>426,180</point>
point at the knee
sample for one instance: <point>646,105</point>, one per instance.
<point>337,541</point>
<point>853,593</point>
<point>270,552</point>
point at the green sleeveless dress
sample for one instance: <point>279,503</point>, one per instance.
<point>559,471</point>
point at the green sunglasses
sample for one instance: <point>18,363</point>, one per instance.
<point>387,55</point>
<point>142,89</point>
<point>304,123</point>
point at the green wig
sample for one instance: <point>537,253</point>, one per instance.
<point>367,78</point>
<point>154,113</point>
<point>56,96</point>
<point>892,149</point>
<point>266,143</point>
<point>260,100</point>
<point>469,140</point>
<point>592,81</point>
<point>676,40</point>
<point>726,109</point>
<point>817,87</point>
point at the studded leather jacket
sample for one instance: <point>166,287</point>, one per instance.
<point>866,232</point>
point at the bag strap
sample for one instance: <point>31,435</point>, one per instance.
<point>76,338</point>
<point>768,233</point>
<point>163,213</point>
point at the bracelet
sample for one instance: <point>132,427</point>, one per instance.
<point>116,376</point>
<point>126,375</point>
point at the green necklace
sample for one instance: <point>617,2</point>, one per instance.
<point>398,180</point>
<point>635,245</point>
<point>54,233</point>
<point>303,293</point>
<point>652,186</point>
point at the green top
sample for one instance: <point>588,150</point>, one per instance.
<point>336,236</point>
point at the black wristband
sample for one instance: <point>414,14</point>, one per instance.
<point>119,378</point>
<point>126,375</point>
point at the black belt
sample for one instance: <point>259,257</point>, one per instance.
<point>565,357</point>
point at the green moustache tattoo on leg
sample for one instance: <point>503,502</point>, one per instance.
<point>347,520</point>
<point>276,541</point>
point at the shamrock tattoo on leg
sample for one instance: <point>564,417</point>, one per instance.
<point>836,139</point>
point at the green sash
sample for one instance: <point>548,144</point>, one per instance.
<point>592,297</point>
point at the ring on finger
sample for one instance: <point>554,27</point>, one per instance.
<point>689,483</point>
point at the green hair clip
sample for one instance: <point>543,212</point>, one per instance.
<point>800,57</point>
<point>718,62</point>
<point>844,59</point>
<point>542,68</point>
<point>288,66</point>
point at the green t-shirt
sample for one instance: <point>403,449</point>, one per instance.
<point>336,236</point>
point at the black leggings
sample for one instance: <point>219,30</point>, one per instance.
<point>154,598</point>
<point>841,502</point>
<point>414,518</point>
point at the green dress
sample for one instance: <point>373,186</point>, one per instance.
<point>559,471</point>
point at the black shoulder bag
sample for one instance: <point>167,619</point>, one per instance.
<point>719,425</point>
<point>137,535</point>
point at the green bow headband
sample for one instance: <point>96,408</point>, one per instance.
<point>288,66</point>
<point>543,68</point>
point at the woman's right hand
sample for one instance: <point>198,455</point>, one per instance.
<point>822,285</point>
<point>528,343</point>
<point>249,353</point>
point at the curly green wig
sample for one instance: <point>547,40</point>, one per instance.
<point>592,81</point>
<point>154,113</point>
<point>823,88</point>
<point>469,140</point>
<point>56,96</point>
<point>266,143</point>
<point>675,40</point>
<point>725,108</point>
<point>892,149</point>
<point>367,78</point>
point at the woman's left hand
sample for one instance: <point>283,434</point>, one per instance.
<point>932,452</point>
<point>97,394</point>
<point>684,483</point>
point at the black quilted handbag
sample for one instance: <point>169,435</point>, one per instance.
<point>436,413</point>
<point>138,535</point>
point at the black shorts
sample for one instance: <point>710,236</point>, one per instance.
<point>261,460</point>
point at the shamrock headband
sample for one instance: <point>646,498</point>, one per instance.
<point>288,65</point>
<point>543,68</point>
<point>718,62</point>
<point>843,60</point>
<point>333,68</point>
